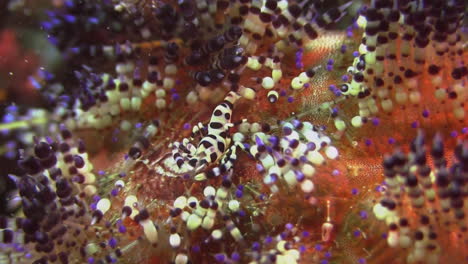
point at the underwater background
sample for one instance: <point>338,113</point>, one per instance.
<point>233,131</point>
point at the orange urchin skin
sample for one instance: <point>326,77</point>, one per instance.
<point>359,166</point>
